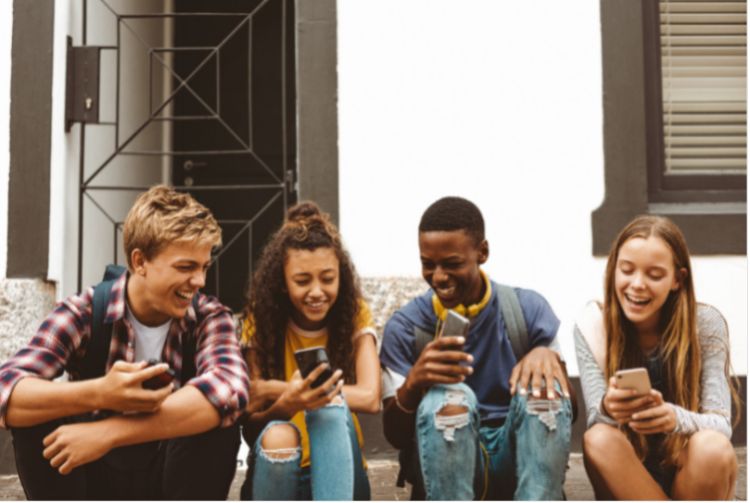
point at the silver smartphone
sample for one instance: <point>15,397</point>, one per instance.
<point>454,325</point>
<point>636,378</point>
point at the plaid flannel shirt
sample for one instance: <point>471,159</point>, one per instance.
<point>60,342</point>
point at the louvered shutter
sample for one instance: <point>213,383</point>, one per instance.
<point>704,79</point>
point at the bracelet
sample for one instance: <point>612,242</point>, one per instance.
<point>403,409</point>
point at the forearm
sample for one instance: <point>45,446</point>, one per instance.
<point>362,398</point>
<point>691,422</point>
<point>36,401</point>
<point>270,389</point>
<point>186,412</point>
<point>593,383</point>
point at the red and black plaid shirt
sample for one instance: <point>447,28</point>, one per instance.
<point>57,346</point>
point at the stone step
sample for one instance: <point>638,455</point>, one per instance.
<point>382,474</point>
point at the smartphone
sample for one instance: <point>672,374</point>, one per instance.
<point>309,359</point>
<point>636,379</point>
<point>454,325</point>
<point>160,380</point>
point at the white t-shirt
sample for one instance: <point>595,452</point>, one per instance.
<point>149,341</point>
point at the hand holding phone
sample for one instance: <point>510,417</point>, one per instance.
<point>629,392</point>
<point>159,380</point>
<point>308,360</point>
<point>636,379</point>
<point>454,325</point>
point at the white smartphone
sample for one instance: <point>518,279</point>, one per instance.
<point>636,379</point>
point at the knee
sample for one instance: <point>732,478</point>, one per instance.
<point>453,412</point>
<point>600,439</point>
<point>280,441</point>
<point>709,450</point>
<point>448,400</point>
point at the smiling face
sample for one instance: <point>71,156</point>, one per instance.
<point>644,277</point>
<point>163,287</point>
<point>450,264</point>
<point>312,282</point>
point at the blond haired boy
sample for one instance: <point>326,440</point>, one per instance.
<point>108,437</point>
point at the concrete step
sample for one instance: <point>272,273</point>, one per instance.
<point>382,474</point>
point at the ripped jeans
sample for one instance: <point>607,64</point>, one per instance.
<point>335,472</point>
<point>524,459</point>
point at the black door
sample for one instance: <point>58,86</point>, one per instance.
<point>233,117</point>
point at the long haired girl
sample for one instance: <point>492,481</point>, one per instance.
<point>305,442</point>
<point>673,442</point>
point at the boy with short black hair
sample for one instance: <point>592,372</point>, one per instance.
<point>109,437</point>
<point>459,409</point>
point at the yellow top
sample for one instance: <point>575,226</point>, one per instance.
<point>296,339</point>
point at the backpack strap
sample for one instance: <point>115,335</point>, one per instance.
<point>515,324</point>
<point>421,339</point>
<point>94,362</point>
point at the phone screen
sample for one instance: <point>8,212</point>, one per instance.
<point>454,325</point>
<point>160,380</point>
<point>309,359</point>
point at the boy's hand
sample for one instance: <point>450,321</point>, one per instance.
<point>539,364</point>
<point>73,445</point>
<point>439,363</point>
<point>120,389</point>
<point>621,404</point>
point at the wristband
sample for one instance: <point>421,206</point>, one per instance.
<point>403,409</point>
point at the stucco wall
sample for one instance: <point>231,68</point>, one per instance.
<point>499,102</point>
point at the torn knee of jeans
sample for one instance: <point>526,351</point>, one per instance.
<point>281,455</point>
<point>452,415</point>
<point>545,409</point>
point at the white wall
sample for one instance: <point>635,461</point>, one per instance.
<point>100,139</point>
<point>6,27</point>
<point>499,102</point>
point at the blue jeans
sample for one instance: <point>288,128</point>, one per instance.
<point>525,458</point>
<point>335,472</point>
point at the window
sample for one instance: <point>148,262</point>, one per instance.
<point>674,78</point>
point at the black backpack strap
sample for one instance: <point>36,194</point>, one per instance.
<point>189,368</point>
<point>94,361</point>
<point>515,324</point>
<point>421,339</point>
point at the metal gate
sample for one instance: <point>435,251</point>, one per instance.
<point>166,91</point>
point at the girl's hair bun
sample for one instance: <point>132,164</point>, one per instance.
<point>304,211</point>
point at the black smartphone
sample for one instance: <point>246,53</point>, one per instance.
<point>309,359</point>
<point>160,380</point>
<point>454,325</point>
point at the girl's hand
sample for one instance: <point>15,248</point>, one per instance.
<point>661,418</point>
<point>621,404</point>
<point>300,395</point>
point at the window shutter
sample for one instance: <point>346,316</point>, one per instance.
<point>704,81</point>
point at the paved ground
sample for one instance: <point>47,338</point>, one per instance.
<point>383,472</point>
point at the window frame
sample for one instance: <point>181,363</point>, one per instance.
<point>713,219</point>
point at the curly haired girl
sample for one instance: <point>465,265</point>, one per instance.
<point>305,442</point>
<point>673,442</point>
